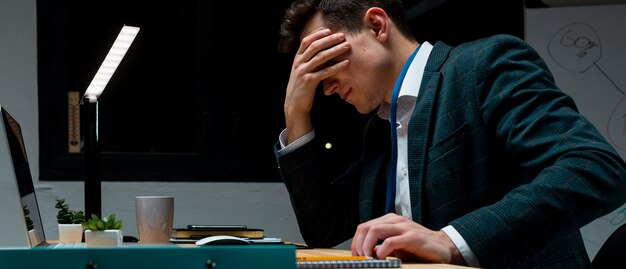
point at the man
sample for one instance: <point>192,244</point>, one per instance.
<point>488,163</point>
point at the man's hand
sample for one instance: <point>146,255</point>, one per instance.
<point>404,239</point>
<point>311,65</point>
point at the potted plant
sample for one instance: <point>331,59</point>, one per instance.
<point>103,232</point>
<point>69,222</point>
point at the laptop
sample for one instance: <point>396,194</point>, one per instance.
<point>21,220</point>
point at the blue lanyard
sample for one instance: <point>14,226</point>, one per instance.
<point>391,171</point>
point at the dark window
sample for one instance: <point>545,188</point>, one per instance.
<point>197,97</point>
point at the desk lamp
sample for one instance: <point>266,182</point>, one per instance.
<point>89,104</point>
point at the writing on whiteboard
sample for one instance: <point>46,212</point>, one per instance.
<point>577,48</point>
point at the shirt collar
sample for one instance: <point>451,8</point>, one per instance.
<point>413,79</point>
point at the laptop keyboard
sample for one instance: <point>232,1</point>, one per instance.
<point>68,245</point>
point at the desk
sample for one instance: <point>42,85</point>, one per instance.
<point>175,256</point>
<point>342,252</point>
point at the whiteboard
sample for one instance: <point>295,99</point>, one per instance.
<point>585,48</point>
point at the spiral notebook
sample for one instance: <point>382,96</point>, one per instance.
<point>340,262</point>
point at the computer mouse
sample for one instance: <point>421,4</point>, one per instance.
<point>222,240</point>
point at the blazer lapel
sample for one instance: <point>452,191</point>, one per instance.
<point>421,124</point>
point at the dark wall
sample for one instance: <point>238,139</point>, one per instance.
<point>457,21</point>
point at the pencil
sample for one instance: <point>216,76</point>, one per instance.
<point>330,258</point>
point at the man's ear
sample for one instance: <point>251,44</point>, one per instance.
<point>377,21</point>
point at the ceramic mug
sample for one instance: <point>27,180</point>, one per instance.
<point>155,218</point>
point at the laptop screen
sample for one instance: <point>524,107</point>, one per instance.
<point>24,179</point>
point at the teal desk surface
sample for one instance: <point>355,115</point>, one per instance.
<point>145,256</point>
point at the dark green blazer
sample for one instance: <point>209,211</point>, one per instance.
<point>495,149</point>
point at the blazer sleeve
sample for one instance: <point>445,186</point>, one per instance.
<point>326,208</point>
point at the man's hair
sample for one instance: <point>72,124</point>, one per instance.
<point>337,14</point>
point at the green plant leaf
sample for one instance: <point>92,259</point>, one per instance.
<point>66,215</point>
<point>97,224</point>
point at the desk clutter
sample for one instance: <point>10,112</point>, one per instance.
<point>194,233</point>
<point>200,231</point>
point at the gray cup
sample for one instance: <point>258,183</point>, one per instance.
<point>155,218</point>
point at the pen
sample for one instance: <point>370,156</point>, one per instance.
<point>330,258</point>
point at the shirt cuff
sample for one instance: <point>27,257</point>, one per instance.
<point>282,138</point>
<point>460,243</point>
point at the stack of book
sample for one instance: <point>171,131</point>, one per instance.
<point>193,233</point>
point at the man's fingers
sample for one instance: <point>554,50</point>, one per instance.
<point>376,233</point>
<point>308,40</point>
<point>368,233</point>
<point>357,240</point>
<point>389,245</point>
<point>321,52</point>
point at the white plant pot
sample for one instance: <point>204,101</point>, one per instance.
<point>70,232</point>
<point>103,238</point>
<point>33,236</point>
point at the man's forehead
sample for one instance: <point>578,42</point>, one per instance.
<point>316,23</point>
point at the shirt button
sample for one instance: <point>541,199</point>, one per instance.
<point>405,172</point>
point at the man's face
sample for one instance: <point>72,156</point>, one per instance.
<point>364,83</point>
